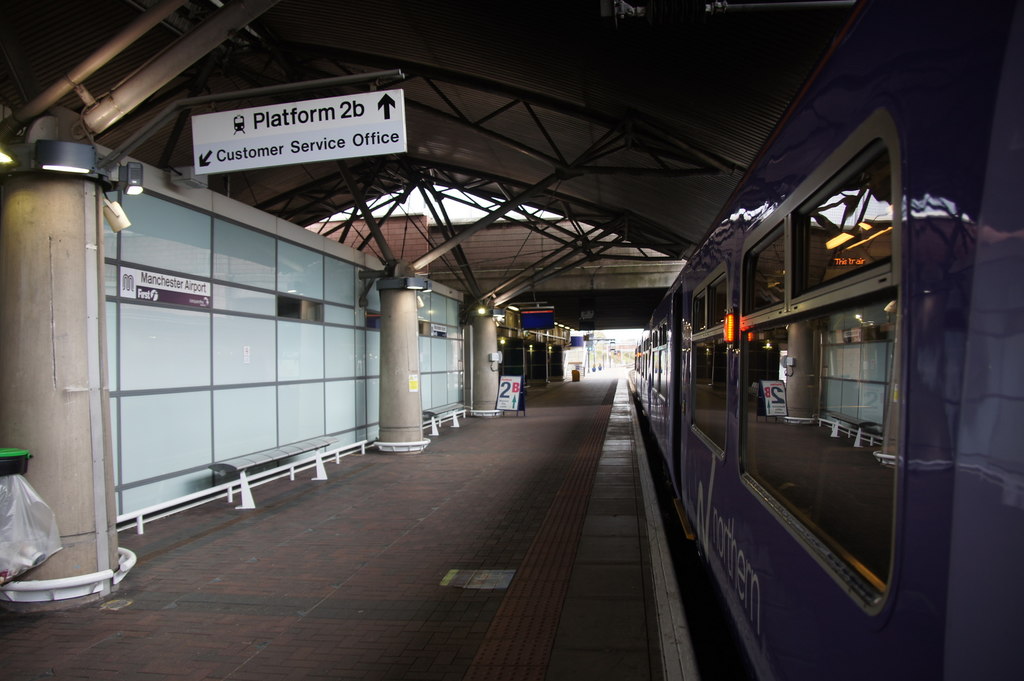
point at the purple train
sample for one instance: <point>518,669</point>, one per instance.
<point>836,379</point>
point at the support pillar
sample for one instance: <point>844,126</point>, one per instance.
<point>401,413</point>
<point>54,399</point>
<point>802,381</point>
<point>485,371</point>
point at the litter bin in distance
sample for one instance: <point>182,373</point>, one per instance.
<point>575,374</point>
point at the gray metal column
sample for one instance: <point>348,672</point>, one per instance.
<point>802,379</point>
<point>485,371</point>
<point>54,400</point>
<point>401,413</point>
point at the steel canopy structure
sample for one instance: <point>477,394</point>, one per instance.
<point>606,132</point>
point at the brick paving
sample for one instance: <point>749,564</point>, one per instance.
<point>342,579</point>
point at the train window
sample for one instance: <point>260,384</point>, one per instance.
<point>709,389</point>
<point>847,226</point>
<point>717,302</point>
<point>700,307</point>
<point>820,431</point>
<point>767,272</point>
<point>709,365</point>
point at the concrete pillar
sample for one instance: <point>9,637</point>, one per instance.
<point>802,379</point>
<point>54,398</point>
<point>485,372</point>
<point>401,413</point>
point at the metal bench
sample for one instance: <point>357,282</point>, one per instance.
<point>435,419</point>
<point>865,433</point>
<point>239,467</point>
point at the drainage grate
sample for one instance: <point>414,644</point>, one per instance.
<point>478,579</point>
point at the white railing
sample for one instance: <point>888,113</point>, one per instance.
<point>243,484</point>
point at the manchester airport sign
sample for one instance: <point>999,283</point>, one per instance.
<point>367,124</point>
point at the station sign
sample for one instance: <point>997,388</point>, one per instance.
<point>365,124</point>
<point>154,287</point>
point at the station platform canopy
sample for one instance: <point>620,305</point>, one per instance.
<point>596,138</point>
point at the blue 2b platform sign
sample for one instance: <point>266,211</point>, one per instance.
<point>510,394</point>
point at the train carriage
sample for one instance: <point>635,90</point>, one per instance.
<point>835,378</point>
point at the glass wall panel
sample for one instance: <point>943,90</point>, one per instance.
<point>299,270</point>
<point>112,366</point>
<point>243,256</point>
<point>373,400</point>
<point>340,405</point>
<point>453,316</point>
<point>339,315</point>
<point>300,411</point>
<point>244,350</point>
<point>110,280</point>
<point>454,356</point>
<point>300,351</point>
<point>340,351</point>
<point>147,495</point>
<point>424,348</point>
<point>244,420</point>
<point>360,401</point>
<point>115,429</point>
<point>360,338</point>
<point>426,391</point>
<point>438,390</point>
<point>454,387</point>
<point>438,354</point>
<point>373,353</point>
<point>244,300</point>
<point>110,237</point>
<point>164,434</point>
<point>340,280</point>
<point>166,235</point>
<point>163,348</point>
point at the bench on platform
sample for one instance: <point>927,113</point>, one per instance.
<point>232,469</point>
<point>247,478</point>
<point>865,433</point>
<point>435,419</point>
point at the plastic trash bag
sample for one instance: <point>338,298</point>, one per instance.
<point>28,528</point>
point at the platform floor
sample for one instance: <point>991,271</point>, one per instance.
<point>512,548</point>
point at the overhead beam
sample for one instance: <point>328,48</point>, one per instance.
<point>483,222</point>
<point>357,197</point>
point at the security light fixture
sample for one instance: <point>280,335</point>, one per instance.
<point>130,177</point>
<point>403,283</point>
<point>115,215</point>
<point>65,157</point>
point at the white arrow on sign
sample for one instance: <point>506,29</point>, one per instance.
<point>367,124</point>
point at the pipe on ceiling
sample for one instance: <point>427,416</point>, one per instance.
<point>172,61</point>
<point>95,61</point>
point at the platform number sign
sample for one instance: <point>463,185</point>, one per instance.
<point>510,394</point>
<point>772,399</point>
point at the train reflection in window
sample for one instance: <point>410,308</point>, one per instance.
<point>820,429</point>
<point>847,226</point>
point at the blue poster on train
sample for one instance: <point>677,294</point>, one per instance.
<point>511,396</point>
<point>771,399</point>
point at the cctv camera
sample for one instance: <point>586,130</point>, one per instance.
<point>115,216</point>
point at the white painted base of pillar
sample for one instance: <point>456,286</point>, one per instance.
<point>486,413</point>
<point>45,590</point>
<point>402,446</point>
